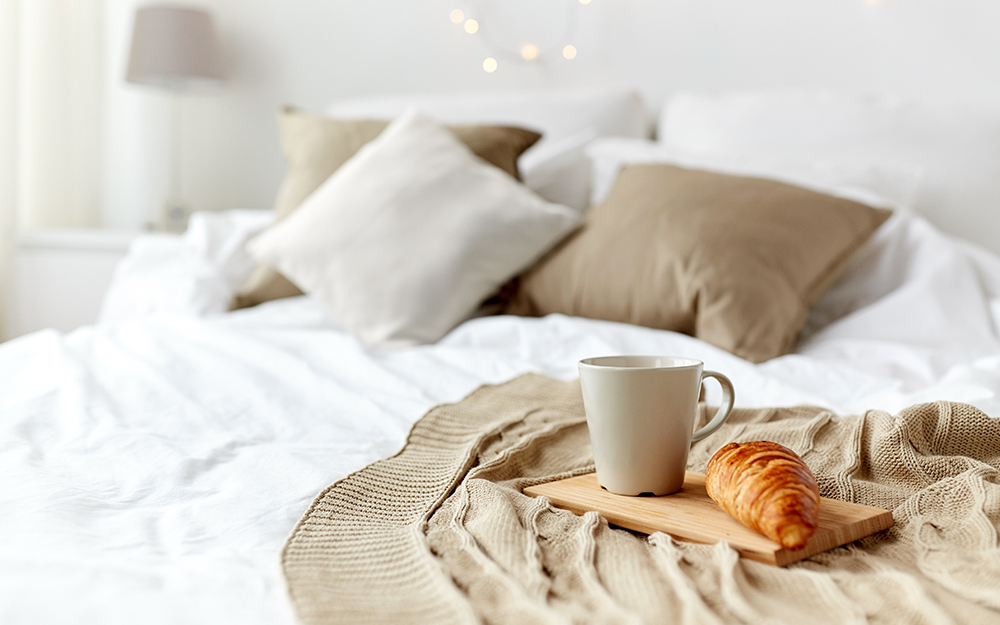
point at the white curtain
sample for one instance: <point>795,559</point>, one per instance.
<point>50,104</point>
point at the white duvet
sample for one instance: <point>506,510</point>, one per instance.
<point>152,466</point>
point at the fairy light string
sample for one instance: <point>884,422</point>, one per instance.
<point>470,20</point>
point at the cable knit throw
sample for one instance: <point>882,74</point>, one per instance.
<point>441,532</point>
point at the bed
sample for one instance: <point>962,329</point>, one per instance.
<point>153,465</point>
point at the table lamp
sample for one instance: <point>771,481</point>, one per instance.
<point>174,48</point>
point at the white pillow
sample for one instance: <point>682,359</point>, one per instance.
<point>410,235</point>
<point>893,185</point>
<point>560,170</point>
<point>958,147</point>
<point>555,167</point>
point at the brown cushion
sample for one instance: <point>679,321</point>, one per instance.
<point>316,146</point>
<point>731,260</point>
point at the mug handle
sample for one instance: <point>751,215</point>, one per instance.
<point>728,397</point>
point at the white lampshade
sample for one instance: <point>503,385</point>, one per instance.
<point>173,47</point>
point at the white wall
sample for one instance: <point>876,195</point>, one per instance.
<point>309,52</point>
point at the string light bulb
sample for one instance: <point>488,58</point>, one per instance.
<point>528,51</point>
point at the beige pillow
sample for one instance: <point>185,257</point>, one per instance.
<point>316,146</point>
<point>731,260</point>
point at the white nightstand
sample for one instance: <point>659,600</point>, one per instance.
<point>58,277</point>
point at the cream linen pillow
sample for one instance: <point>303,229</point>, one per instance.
<point>411,234</point>
<point>316,146</point>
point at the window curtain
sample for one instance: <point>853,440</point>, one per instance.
<point>50,100</point>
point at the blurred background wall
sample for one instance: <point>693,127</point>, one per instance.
<point>310,52</point>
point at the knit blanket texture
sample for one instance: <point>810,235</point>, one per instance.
<point>442,533</point>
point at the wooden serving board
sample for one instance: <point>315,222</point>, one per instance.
<point>691,515</point>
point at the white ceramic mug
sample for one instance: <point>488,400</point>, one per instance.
<point>640,412</point>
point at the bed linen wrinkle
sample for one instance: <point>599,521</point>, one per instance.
<point>937,300</point>
<point>166,429</point>
<point>290,364</point>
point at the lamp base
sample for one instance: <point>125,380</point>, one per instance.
<point>173,216</point>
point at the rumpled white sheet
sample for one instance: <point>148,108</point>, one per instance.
<point>152,466</point>
<point>194,274</point>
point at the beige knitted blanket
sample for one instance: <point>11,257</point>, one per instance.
<point>441,532</point>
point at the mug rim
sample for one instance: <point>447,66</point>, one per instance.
<point>594,363</point>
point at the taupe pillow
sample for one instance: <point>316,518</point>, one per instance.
<point>316,146</point>
<point>731,260</point>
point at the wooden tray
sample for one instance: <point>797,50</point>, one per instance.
<point>691,515</point>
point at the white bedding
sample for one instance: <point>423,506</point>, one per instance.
<point>152,466</point>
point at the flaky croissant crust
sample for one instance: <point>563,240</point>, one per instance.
<point>768,488</point>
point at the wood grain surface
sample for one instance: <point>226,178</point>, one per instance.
<point>691,515</point>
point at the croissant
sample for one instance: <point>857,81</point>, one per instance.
<point>768,488</point>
